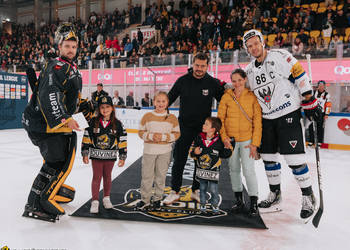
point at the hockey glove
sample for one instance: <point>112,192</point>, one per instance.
<point>312,109</point>
<point>86,107</point>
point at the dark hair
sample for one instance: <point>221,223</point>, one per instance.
<point>113,119</point>
<point>239,71</point>
<point>201,56</point>
<point>215,123</point>
<point>100,84</point>
<point>321,81</point>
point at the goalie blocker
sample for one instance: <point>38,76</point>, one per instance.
<point>48,189</point>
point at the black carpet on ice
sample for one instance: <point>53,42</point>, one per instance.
<point>125,194</point>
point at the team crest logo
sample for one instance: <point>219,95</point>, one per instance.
<point>103,141</point>
<point>293,143</point>
<point>205,92</point>
<point>265,93</point>
<point>182,209</point>
<point>205,160</point>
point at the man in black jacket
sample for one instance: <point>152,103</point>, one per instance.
<point>196,90</point>
<point>49,124</point>
<point>99,93</point>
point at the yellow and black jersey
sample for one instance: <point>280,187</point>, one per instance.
<point>55,98</point>
<point>103,141</point>
<point>209,160</point>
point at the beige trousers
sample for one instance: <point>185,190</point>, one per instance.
<point>154,169</point>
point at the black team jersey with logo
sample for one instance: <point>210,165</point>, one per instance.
<point>209,160</point>
<point>104,142</point>
<point>55,98</point>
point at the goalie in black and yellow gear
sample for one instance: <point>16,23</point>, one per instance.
<point>49,124</point>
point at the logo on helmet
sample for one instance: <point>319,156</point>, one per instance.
<point>65,32</point>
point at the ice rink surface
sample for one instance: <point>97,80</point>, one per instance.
<point>20,162</point>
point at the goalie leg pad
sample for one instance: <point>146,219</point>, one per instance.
<point>65,194</point>
<point>48,199</point>
<point>40,183</point>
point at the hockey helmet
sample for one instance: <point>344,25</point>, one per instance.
<point>251,33</point>
<point>65,32</point>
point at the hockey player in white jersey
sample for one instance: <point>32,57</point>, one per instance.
<point>282,88</point>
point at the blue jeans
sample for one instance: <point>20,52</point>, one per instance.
<point>213,189</point>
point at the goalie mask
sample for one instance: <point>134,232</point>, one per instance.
<point>65,32</point>
<point>252,33</point>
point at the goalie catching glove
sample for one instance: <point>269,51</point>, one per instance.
<point>312,109</point>
<point>86,107</point>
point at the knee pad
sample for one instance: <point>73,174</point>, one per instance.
<point>50,195</point>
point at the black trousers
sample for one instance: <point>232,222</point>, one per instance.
<point>181,150</point>
<point>320,130</point>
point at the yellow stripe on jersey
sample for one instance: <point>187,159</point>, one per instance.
<point>87,140</point>
<point>297,70</point>
<point>122,145</point>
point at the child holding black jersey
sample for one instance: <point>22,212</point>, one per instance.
<point>102,140</point>
<point>208,149</point>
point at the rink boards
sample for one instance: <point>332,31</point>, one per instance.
<point>337,126</point>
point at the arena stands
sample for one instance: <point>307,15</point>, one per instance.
<point>301,26</point>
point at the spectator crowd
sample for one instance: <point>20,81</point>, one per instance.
<point>302,26</point>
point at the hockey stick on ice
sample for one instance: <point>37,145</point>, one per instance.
<point>317,217</point>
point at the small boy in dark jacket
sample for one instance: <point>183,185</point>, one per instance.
<point>208,149</point>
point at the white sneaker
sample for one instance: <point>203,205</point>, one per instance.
<point>94,207</point>
<point>107,202</point>
<point>171,198</point>
<point>195,196</point>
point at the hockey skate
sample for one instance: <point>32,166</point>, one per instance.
<point>35,213</point>
<point>272,203</point>
<point>308,207</point>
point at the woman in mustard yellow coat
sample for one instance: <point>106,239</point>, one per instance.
<point>240,114</point>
